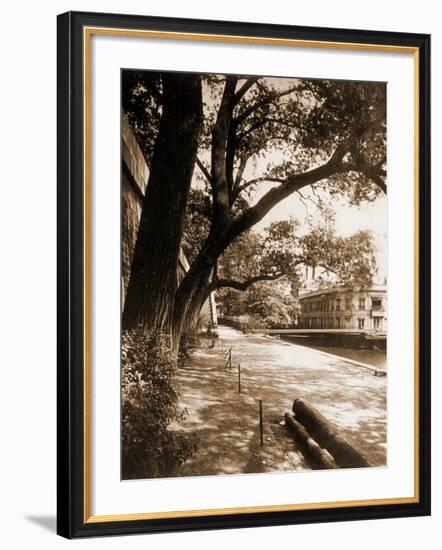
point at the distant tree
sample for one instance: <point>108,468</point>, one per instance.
<point>256,257</point>
<point>264,303</point>
<point>350,259</point>
<point>249,265</point>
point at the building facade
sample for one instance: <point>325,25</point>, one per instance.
<point>344,308</point>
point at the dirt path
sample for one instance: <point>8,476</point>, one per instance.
<point>276,372</point>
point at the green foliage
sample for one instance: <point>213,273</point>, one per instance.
<point>265,304</point>
<point>210,336</point>
<point>149,407</point>
<point>271,253</point>
<point>141,101</point>
<point>350,259</point>
<point>293,124</point>
<point>277,250</point>
<point>188,344</point>
<point>198,219</point>
<point>211,332</point>
<point>196,223</point>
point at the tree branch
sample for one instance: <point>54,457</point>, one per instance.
<point>288,186</point>
<point>220,134</point>
<point>244,285</point>
<point>239,94</point>
<point>249,183</point>
<point>283,122</point>
<point>271,97</point>
<point>374,172</point>
<point>204,170</point>
<point>230,159</point>
<point>250,130</point>
<point>242,166</point>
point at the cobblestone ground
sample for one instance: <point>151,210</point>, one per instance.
<point>227,423</point>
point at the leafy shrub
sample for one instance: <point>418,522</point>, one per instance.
<point>211,335</point>
<point>212,332</point>
<point>149,407</point>
<point>188,344</point>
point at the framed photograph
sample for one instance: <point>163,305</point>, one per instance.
<point>243,274</point>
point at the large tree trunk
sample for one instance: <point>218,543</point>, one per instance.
<point>189,300</point>
<point>190,320</point>
<point>194,289</point>
<point>153,281</point>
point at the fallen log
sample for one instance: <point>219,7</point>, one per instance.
<point>345,454</point>
<point>321,458</point>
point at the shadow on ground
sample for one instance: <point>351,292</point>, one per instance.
<point>227,423</point>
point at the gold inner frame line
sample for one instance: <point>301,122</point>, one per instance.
<point>87,34</point>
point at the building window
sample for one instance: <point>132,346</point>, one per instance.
<point>361,304</point>
<point>361,323</point>
<point>347,304</point>
<point>338,304</point>
<point>377,323</point>
<point>376,304</point>
<point>338,323</point>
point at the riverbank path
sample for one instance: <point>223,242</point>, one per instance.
<point>226,422</point>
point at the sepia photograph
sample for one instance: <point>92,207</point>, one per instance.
<point>254,280</point>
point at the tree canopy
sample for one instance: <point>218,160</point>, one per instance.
<point>262,139</point>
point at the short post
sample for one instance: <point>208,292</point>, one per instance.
<point>239,378</point>
<point>228,358</point>
<point>261,424</point>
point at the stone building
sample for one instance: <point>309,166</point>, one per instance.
<point>134,178</point>
<point>344,308</point>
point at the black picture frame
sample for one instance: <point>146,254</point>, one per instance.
<point>72,518</point>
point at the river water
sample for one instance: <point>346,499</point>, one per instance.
<point>369,356</point>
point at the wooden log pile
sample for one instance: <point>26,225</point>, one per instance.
<point>321,440</point>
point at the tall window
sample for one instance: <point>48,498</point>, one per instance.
<point>377,323</point>
<point>338,304</point>
<point>347,303</point>
<point>361,304</point>
<point>361,323</point>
